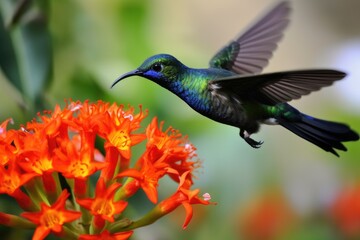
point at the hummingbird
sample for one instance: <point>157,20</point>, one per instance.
<point>233,91</point>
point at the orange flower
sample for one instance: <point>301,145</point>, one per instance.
<point>35,155</point>
<point>107,236</point>
<point>6,148</point>
<point>184,196</point>
<point>116,126</point>
<point>51,218</point>
<point>112,123</point>
<point>147,177</point>
<point>3,127</point>
<point>5,153</point>
<point>166,153</point>
<point>102,206</point>
<point>164,143</point>
<point>346,212</point>
<point>171,148</point>
<point>75,159</point>
<point>61,144</point>
<point>269,217</point>
<point>11,178</point>
<point>53,125</point>
<point>121,138</point>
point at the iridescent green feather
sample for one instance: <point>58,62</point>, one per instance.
<point>225,58</point>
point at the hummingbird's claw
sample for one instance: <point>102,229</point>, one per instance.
<point>253,143</point>
<point>246,136</point>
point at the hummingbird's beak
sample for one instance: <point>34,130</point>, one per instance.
<point>136,72</point>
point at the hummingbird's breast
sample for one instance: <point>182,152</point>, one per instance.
<point>227,108</point>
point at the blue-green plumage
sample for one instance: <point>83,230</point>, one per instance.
<point>232,92</point>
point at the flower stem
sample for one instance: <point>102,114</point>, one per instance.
<point>69,233</point>
<point>149,218</point>
<point>35,192</point>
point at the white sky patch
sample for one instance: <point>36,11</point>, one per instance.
<point>347,59</point>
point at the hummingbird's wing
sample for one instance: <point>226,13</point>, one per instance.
<point>251,51</point>
<point>273,88</point>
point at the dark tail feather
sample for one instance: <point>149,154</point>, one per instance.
<point>324,134</point>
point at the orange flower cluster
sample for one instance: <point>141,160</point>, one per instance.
<point>345,212</point>
<point>61,144</point>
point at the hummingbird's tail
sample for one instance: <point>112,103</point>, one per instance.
<point>324,134</point>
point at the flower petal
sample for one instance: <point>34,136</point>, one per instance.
<point>189,213</point>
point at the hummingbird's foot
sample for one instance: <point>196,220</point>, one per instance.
<point>253,143</point>
<point>246,136</point>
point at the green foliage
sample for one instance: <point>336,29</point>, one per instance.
<point>85,86</point>
<point>133,18</point>
<point>26,58</point>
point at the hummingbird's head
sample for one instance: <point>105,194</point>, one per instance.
<point>161,68</point>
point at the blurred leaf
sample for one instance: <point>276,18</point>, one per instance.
<point>21,7</point>
<point>32,44</point>
<point>27,61</point>
<point>8,62</point>
<point>85,86</point>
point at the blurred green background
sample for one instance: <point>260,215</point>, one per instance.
<point>288,189</point>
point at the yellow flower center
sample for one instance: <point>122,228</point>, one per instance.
<point>9,184</point>
<point>51,218</point>
<point>120,139</point>
<point>80,169</point>
<point>4,159</point>
<point>103,207</point>
<point>41,165</point>
<point>151,180</point>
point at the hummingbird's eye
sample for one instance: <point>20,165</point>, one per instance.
<point>157,67</point>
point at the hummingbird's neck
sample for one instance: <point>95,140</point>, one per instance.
<point>192,86</point>
<point>185,82</point>
<point>194,81</point>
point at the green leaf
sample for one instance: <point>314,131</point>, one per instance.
<point>27,59</point>
<point>34,54</point>
<point>8,61</point>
